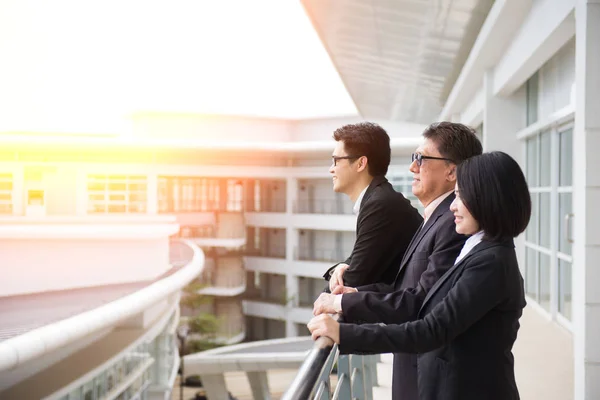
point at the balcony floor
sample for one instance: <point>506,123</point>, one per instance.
<point>543,359</point>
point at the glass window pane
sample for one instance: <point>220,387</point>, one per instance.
<point>531,273</point>
<point>532,88</point>
<point>565,289</point>
<point>566,158</point>
<point>532,228</point>
<point>545,153</point>
<point>564,209</point>
<point>532,162</point>
<point>544,298</point>
<point>544,217</point>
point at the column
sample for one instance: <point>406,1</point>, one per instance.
<point>586,197</point>
<point>18,193</point>
<point>223,194</point>
<point>291,244</point>
<point>81,192</point>
<point>152,194</point>
<point>503,117</point>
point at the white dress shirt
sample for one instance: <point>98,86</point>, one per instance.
<point>356,208</point>
<point>468,246</point>
<point>433,205</point>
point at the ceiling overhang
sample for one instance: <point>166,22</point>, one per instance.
<point>398,59</point>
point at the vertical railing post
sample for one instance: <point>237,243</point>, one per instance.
<point>357,377</point>
<point>369,366</point>
<point>325,375</point>
<point>344,389</point>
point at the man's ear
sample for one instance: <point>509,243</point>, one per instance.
<point>451,175</point>
<point>362,163</point>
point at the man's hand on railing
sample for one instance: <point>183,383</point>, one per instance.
<point>336,278</point>
<point>325,304</point>
<point>324,325</point>
<point>344,290</point>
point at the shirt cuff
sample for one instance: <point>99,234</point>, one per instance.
<point>337,303</point>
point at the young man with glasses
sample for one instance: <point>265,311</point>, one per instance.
<point>431,253</point>
<point>386,220</point>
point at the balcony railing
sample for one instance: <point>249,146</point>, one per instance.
<point>272,252</point>
<point>230,326</point>
<point>356,375</point>
<point>268,205</point>
<point>323,206</point>
<point>229,278</point>
<point>319,254</point>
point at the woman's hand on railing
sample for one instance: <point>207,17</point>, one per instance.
<point>324,325</point>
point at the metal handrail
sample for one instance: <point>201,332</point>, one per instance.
<point>356,375</point>
<point>306,381</point>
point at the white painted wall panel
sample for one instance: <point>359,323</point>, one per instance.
<point>557,78</point>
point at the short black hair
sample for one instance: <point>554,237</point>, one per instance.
<point>454,141</point>
<point>367,139</point>
<point>494,190</point>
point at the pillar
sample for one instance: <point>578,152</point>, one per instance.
<point>586,197</point>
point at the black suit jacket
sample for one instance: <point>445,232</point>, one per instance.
<point>385,226</point>
<point>465,332</point>
<point>431,253</point>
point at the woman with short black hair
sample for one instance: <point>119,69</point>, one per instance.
<point>469,320</point>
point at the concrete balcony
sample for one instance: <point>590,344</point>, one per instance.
<point>231,321</point>
<point>224,277</point>
<point>270,252</point>
<point>328,255</point>
<point>78,252</point>
<point>323,206</point>
<point>272,310</point>
<point>214,229</point>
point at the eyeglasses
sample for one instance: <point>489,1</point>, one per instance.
<point>420,157</point>
<point>335,159</point>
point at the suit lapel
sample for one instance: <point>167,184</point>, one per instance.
<point>423,229</point>
<point>483,245</point>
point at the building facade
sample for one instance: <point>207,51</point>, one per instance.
<point>525,74</point>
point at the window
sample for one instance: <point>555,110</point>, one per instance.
<point>6,193</point>
<point>532,88</point>
<point>112,194</point>
<point>401,179</point>
<point>187,194</point>
<point>235,194</point>
<point>548,261</point>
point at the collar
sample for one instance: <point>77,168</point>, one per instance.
<point>433,205</point>
<point>473,240</point>
<point>356,208</point>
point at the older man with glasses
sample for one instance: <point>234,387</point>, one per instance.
<point>431,253</point>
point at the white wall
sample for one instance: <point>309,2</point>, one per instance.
<point>210,127</point>
<point>322,129</point>
<point>41,258</point>
<point>557,78</point>
<point>548,26</point>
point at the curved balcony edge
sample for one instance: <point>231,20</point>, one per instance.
<point>38,342</point>
<point>228,243</point>
<point>220,291</point>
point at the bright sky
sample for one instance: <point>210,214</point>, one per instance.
<point>81,65</point>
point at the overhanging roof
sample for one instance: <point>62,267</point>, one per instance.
<point>398,58</point>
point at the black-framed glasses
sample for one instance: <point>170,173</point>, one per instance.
<point>420,157</point>
<point>335,159</point>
